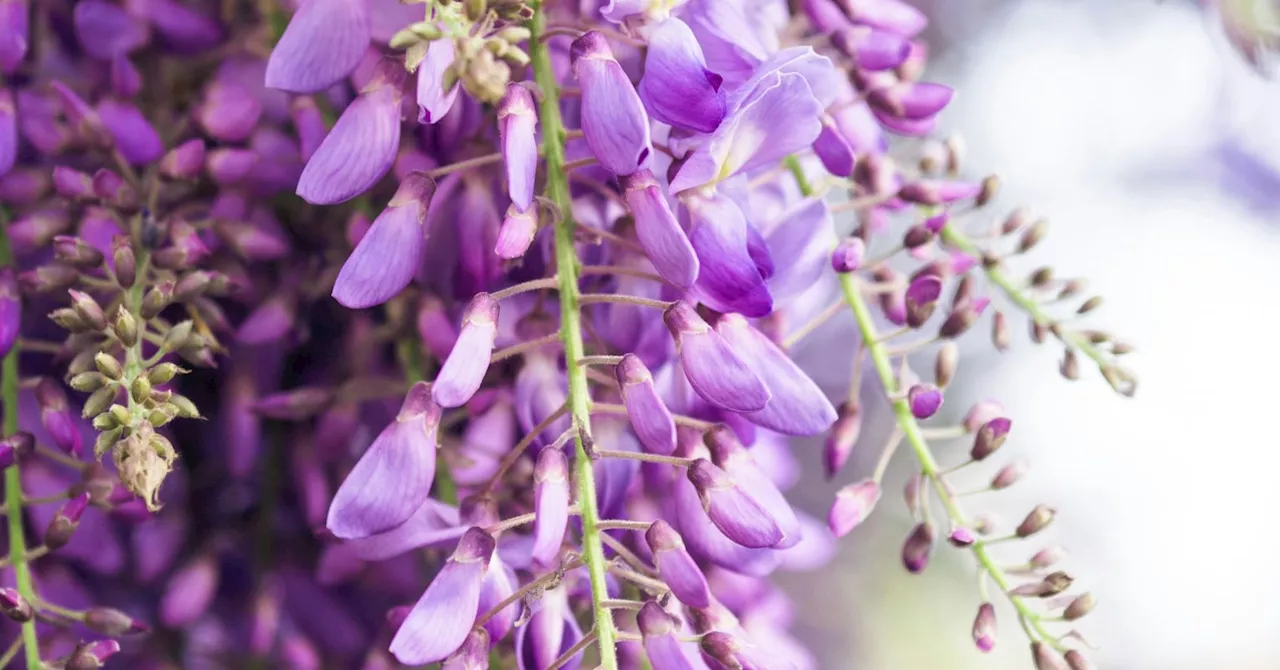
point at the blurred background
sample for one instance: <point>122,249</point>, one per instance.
<point>1155,152</point>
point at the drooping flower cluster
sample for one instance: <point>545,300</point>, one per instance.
<point>513,287</point>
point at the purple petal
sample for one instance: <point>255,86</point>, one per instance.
<point>894,16</point>
<point>14,26</point>
<point>872,50</point>
<point>393,477</point>
<point>853,504</point>
<point>517,128</point>
<point>229,112</point>
<point>433,524</point>
<point>106,30</point>
<point>729,455</point>
<point>677,87</point>
<point>388,255</point>
<point>816,548</point>
<point>664,241</point>
<point>736,513</point>
<point>676,567</point>
<point>516,233</point>
<point>433,101</point>
<point>649,416</point>
<point>714,370</point>
<point>358,151</point>
<point>550,633</point>
<point>270,321</point>
<point>800,246</point>
<point>440,621</point>
<point>707,542</point>
<point>664,650</point>
<point>324,42</point>
<point>189,592</point>
<point>833,149</point>
<point>729,37</point>
<point>185,30</point>
<point>796,405</point>
<point>8,132</point>
<point>499,583</point>
<point>136,140</point>
<point>463,371</point>
<point>613,116</point>
<point>729,279</point>
<point>551,505</point>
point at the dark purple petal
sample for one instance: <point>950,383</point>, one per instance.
<point>729,278</point>
<point>649,416</point>
<point>676,567</point>
<point>324,42</point>
<point>677,87</point>
<point>135,138</point>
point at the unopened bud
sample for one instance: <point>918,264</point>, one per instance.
<point>842,438</point>
<point>15,447</point>
<point>192,286</point>
<point>1080,607</point>
<point>1048,587</point>
<point>991,436</point>
<point>140,389</point>
<point>69,319</point>
<point>75,251</point>
<point>958,321</point>
<point>162,415</point>
<point>126,327</point>
<point>1016,221</point>
<point>984,628</point>
<point>98,402</point>
<point>944,365</point>
<point>88,309</point>
<point>106,440</point>
<point>126,265</point>
<point>1039,332</point>
<point>65,522</point>
<point>917,236</point>
<point>1072,288</point>
<point>1001,338</point>
<point>108,365</point>
<point>1010,474</point>
<point>961,537</point>
<point>113,622</point>
<point>164,373</point>
<point>1048,557</point>
<point>1121,380</point>
<point>1033,235</point>
<point>848,255</point>
<point>1070,366</point>
<point>917,548</point>
<point>1041,277</point>
<point>92,655</point>
<point>88,382</point>
<point>177,336</point>
<point>990,187</point>
<point>186,408</point>
<point>1036,521</point>
<point>1089,305</point>
<point>121,415</point>
<point>48,278</point>
<point>156,299</point>
<point>1077,661</point>
<point>15,606</point>
<point>105,421</point>
<point>1046,658</point>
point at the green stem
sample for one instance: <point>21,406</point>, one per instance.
<point>567,266</point>
<point>1028,304</point>
<point>13,477</point>
<point>410,354</point>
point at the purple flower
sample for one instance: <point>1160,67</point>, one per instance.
<point>324,42</point>
<point>613,117</point>
<point>551,505</point>
<point>729,279</point>
<point>676,567</point>
<point>438,625</point>
<point>924,399</point>
<point>8,132</point>
<point>711,365</point>
<point>517,129</point>
<point>362,145</point>
<point>677,87</point>
<point>852,506</point>
<point>796,405</point>
<point>393,477</point>
<point>664,650</point>
<point>434,100</point>
<point>551,631</point>
<point>463,371</point>
<point>189,592</point>
<point>106,30</point>
<point>385,260</point>
<point>734,511</point>
<point>516,233</point>
<point>14,26</point>
<point>663,239</point>
<point>649,416</point>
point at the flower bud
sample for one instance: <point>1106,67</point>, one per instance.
<point>1070,366</point>
<point>842,438</point>
<point>98,402</point>
<point>917,548</point>
<point>961,537</point>
<point>15,447</point>
<point>944,365</point>
<point>1001,338</point>
<point>125,327</point>
<point>1077,661</point>
<point>56,416</point>
<point>186,408</point>
<point>853,504</point>
<point>1046,658</point>
<point>676,566</point>
<point>125,263</point>
<point>88,382</point>
<point>295,405</point>
<point>48,278</point>
<point>164,373</point>
<point>177,336</point>
<point>72,184</point>
<point>551,505</point>
<point>108,365</point>
<point>15,606</point>
<point>921,298</point>
<point>156,299</point>
<point>1036,521</point>
<point>68,319</point>
<point>105,441</point>
<point>92,655</point>
<point>924,400</point>
<point>1080,607</point>
<point>958,321</point>
<point>140,389</point>
<point>114,191</point>
<point>1010,474</point>
<point>185,161</point>
<point>991,436</point>
<point>65,522</point>
<point>984,628</point>
<point>731,509</point>
<point>1033,235</point>
<point>648,414</point>
<point>76,252</point>
<point>113,622</point>
<point>1047,557</point>
<point>192,286</point>
<point>848,255</point>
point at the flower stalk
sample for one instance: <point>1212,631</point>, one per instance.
<point>567,264</point>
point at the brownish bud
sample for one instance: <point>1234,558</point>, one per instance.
<point>48,278</point>
<point>178,336</point>
<point>1080,607</point>
<point>126,264</point>
<point>186,408</point>
<point>106,440</point>
<point>156,299</point>
<point>1121,348</point>
<point>1033,235</point>
<point>1001,338</point>
<point>1042,277</point>
<point>113,622</point>
<point>1046,658</point>
<point>121,414</point>
<point>944,365</point>
<point>75,251</point>
<point>88,309</point>
<point>105,421</point>
<point>1072,288</point>
<point>1089,305</point>
<point>143,460</point>
<point>108,365</point>
<point>917,236</point>
<point>192,286</point>
<point>15,606</point>
<point>1039,332</point>
<point>1010,474</point>
<point>1070,365</point>
<point>990,188</point>
<point>1048,557</point>
<point>88,382</point>
<point>1016,221</point>
<point>98,402</point>
<point>1036,521</point>
<point>125,327</point>
<point>69,319</point>
<point>958,321</point>
<point>1077,661</point>
<point>1121,380</point>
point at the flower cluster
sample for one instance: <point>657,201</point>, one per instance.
<point>481,311</point>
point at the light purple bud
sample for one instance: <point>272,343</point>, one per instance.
<point>663,649</point>
<point>935,192</point>
<point>65,521</point>
<point>796,405</point>
<point>735,512</point>
<point>853,504</point>
<point>925,400</point>
<point>833,149</point>
<point>441,620</point>
<point>729,651</point>
<point>362,146</point>
<point>613,116</point>
<point>917,548</point>
<point>551,505</point>
<point>56,416</point>
<point>389,254</point>
<point>324,42</point>
<point>189,592</point>
<point>230,166</point>
<point>517,128</point>
<point>676,567</point>
<point>663,239</point>
<point>14,448</point>
<point>90,655</point>
<point>72,183</point>
<point>185,29</point>
<point>714,370</point>
<point>8,129</point>
<point>185,161</point>
<point>229,111</point>
<point>14,27</point>
<point>126,81</point>
<point>649,416</point>
<point>516,232</point>
<point>393,477</point>
<point>434,101</point>
<point>984,628</point>
<point>990,437</point>
<point>915,102</point>
<point>463,371</point>
<point>961,537</point>
<point>114,190</point>
<point>980,413</point>
<point>472,655</point>
<point>677,87</point>
<point>872,50</point>
<point>848,255</point>
<point>22,186</point>
<point>894,16</point>
<point>135,137</point>
<point>729,454</point>
<point>842,438</point>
